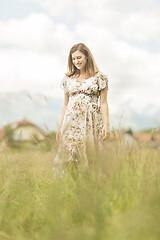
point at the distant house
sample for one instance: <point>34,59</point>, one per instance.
<point>148,138</point>
<point>127,138</point>
<point>25,130</point>
<point>143,137</point>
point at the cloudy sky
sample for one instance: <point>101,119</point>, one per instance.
<point>123,36</point>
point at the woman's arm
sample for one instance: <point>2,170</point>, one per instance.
<point>66,100</point>
<point>105,111</point>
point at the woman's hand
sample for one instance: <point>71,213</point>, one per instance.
<point>105,132</point>
<point>58,136</point>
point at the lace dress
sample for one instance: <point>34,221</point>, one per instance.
<point>82,122</point>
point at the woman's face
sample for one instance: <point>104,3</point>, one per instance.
<point>79,60</point>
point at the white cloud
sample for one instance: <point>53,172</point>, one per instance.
<point>142,25</point>
<point>123,20</point>
<point>60,8</point>
<point>132,19</point>
<point>24,69</point>
<point>36,32</point>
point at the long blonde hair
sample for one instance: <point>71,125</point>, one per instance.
<point>91,66</point>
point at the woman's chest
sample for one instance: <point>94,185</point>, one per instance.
<point>89,85</point>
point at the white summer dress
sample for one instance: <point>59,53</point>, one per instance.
<point>82,119</point>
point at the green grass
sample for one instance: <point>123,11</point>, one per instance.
<point>116,199</point>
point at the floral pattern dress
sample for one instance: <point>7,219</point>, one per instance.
<point>82,121</point>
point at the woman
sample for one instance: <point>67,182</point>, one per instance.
<point>83,122</point>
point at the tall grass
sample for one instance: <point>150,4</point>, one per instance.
<point>116,198</point>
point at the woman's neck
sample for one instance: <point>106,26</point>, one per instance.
<point>82,73</point>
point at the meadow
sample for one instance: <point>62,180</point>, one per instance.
<point>116,198</point>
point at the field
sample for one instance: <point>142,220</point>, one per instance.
<point>116,198</point>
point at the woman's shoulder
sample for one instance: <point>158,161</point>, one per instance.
<point>64,84</point>
<point>102,80</point>
<point>101,75</point>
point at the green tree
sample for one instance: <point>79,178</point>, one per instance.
<point>9,132</point>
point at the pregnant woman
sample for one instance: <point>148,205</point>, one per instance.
<point>84,121</point>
